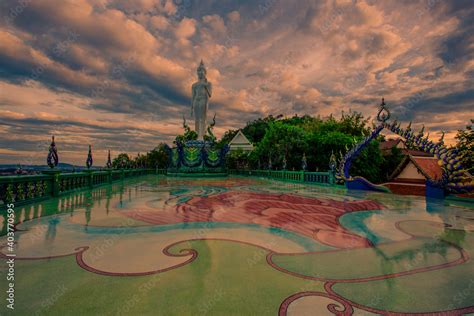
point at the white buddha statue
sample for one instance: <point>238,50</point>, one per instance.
<point>201,92</point>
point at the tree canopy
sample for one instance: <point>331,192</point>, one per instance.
<point>465,147</point>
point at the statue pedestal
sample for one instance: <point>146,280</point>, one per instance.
<point>197,158</point>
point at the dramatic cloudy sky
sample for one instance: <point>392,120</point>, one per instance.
<point>117,74</point>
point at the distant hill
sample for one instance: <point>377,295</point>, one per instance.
<point>11,169</point>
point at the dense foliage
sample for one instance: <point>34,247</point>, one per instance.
<point>279,139</point>
<point>156,158</point>
<point>465,147</point>
<point>121,161</point>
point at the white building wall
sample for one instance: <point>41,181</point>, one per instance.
<point>411,172</point>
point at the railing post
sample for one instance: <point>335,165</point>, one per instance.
<point>54,182</point>
<point>302,175</point>
<point>109,175</point>
<point>331,177</point>
<point>90,177</point>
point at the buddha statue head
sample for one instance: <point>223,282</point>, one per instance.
<point>201,71</point>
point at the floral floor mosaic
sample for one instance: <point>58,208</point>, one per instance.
<point>241,246</point>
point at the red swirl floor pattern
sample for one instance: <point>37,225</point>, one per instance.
<point>312,217</point>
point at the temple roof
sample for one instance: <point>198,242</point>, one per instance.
<point>386,146</point>
<point>428,166</point>
<point>240,141</point>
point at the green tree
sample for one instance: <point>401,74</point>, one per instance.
<point>226,138</point>
<point>282,140</point>
<point>121,161</point>
<point>390,163</point>
<point>238,159</point>
<point>354,123</point>
<point>465,147</point>
<point>255,130</point>
<point>369,162</point>
<point>322,144</point>
<point>158,157</point>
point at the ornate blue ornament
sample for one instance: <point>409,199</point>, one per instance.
<point>109,162</point>
<point>53,158</point>
<point>384,113</point>
<point>89,160</point>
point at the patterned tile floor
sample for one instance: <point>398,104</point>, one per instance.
<point>241,246</point>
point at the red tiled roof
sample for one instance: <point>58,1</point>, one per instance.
<point>428,166</point>
<point>386,145</point>
<point>417,153</point>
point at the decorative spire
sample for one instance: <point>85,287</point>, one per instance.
<point>441,139</point>
<point>109,162</point>
<point>422,131</point>
<point>394,124</point>
<point>89,160</point>
<point>53,158</point>
<point>384,113</point>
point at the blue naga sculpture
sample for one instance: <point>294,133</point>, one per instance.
<point>452,171</point>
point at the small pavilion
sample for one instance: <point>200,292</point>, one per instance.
<point>240,142</point>
<point>411,175</point>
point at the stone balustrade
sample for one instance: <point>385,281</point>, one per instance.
<point>23,189</point>
<point>286,175</point>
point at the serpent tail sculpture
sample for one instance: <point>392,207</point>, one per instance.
<point>453,179</point>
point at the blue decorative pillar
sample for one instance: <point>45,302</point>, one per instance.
<point>434,192</point>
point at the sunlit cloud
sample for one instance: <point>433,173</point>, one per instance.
<point>117,74</point>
